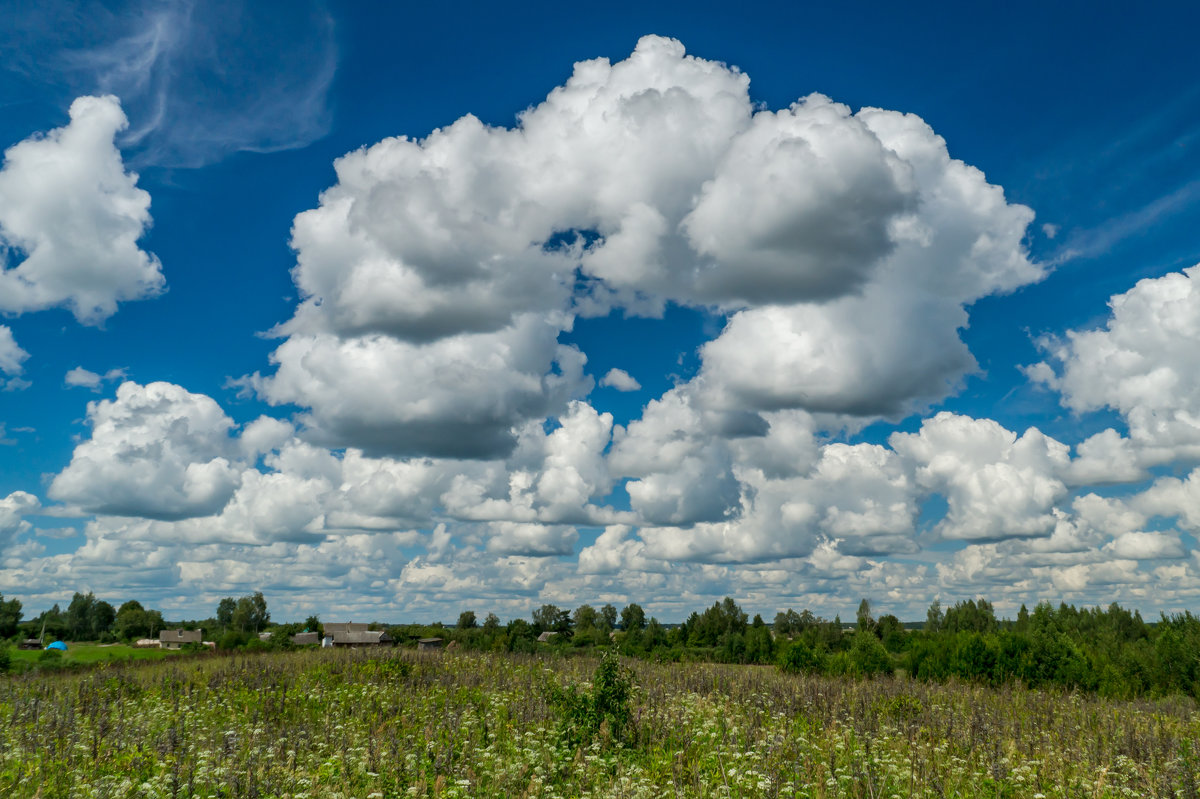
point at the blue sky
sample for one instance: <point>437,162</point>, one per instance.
<point>328,304</point>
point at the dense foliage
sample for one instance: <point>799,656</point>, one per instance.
<point>1112,652</point>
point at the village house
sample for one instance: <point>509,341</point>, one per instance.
<point>174,639</point>
<point>306,638</point>
<point>428,644</point>
<point>354,634</point>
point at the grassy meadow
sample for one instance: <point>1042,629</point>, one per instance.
<point>87,654</point>
<point>396,723</point>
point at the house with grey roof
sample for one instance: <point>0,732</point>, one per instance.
<point>355,634</point>
<point>174,639</point>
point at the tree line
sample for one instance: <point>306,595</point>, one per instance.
<point>1111,651</point>
<point>90,619</point>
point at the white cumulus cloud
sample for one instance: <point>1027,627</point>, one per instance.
<point>1144,363</point>
<point>157,451</point>
<point>620,380</point>
<point>70,220</point>
<point>997,485</point>
<point>12,357</point>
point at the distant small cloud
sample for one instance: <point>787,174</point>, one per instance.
<point>11,354</point>
<point>1050,230</point>
<point>55,532</point>
<point>620,380</point>
<point>82,378</point>
<point>16,384</point>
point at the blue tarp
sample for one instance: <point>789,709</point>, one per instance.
<point>58,645</point>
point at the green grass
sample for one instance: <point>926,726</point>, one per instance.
<point>395,723</point>
<point>90,653</point>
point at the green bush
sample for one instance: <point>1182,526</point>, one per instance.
<point>800,658</point>
<point>606,710</point>
<point>232,640</point>
<point>868,656</point>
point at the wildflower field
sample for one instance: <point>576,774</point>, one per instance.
<point>396,723</point>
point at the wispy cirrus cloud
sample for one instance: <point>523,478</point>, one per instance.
<point>199,81</point>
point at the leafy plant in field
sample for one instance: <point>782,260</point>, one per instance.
<point>800,658</point>
<point>605,710</point>
<point>901,707</point>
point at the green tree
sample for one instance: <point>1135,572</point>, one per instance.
<point>132,621</point>
<point>800,658</point>
<point>866,623</point>
<point>521,636</point>
<point>788,623</point>
<point>609,614</point>
<point>79,614</point>
<point>934,618</point>
<point>225,609</point>
<point>760,648</point>
<point>101,618</point>
<point>466,620</point>
<point>260,617</point>
<point>491,623</point>
<point>551,618</point>
<point>243,614</point>
<point>655,635</point>
<point>313,624</point>
<point>891,632</point>
<point>10,616</point>
<point>868,657</point>
<point>633,617</point>
<point>716,626</point>
<point>586,619</point>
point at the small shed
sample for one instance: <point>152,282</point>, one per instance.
<point>30,643</point>
<point>429,644</point>
<point>546,637</point>
<point>306,638</point>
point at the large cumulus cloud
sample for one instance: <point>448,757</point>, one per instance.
<point>71,217</point>
<point>459,396</point>
<point>851,242</point>
<point>893,342</point>
<point>997,485</point>
<point>1145,364</point>
<point>157,451</point>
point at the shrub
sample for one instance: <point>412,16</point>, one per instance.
<point>800,658</point>
<point>606,709</point>
<point>232,640</point>
<point>868,657</point>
